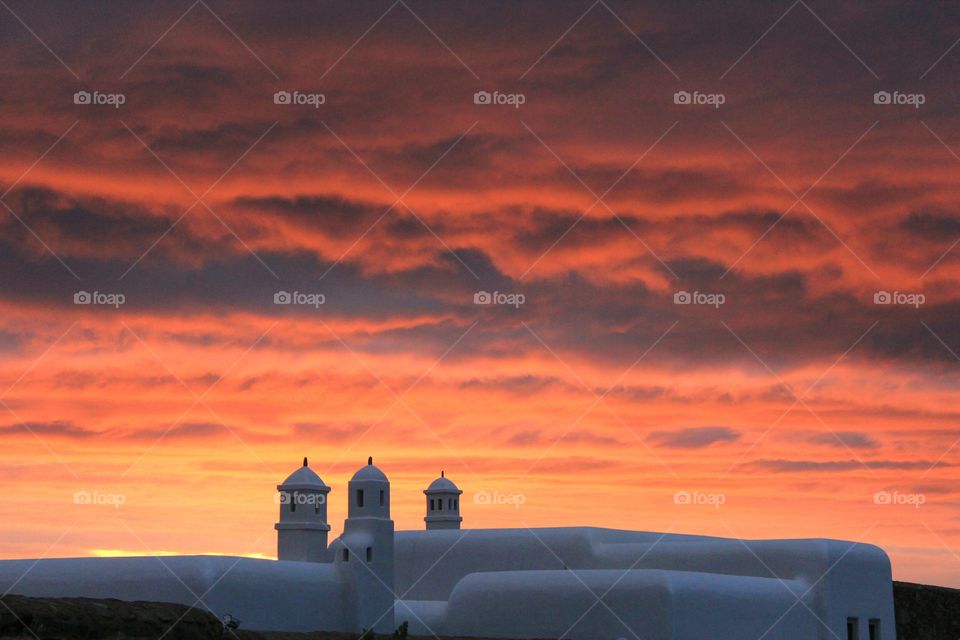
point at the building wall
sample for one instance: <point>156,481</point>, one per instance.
<point>513,583</point>
<point>264,594</point>
<point>859,584</point>
<point>652,605</point>
<point>609,604</point>
<point>553,604</point>
<point>471,550</point>
<point>368,592</point>
<point>834,579</point>
<point>301,544</point>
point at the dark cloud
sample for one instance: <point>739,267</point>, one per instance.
<point>92,226</point>
<point>70,430</point>
<point>693,437</point>
<point>330,432</point>
<point>846,440</point>
<point>586,437</point>
<point>522,438</point>
<point>932,225</point>
<point>527,384</point>
<point>62,429</point>
<point>803,466</point>
<point>183,431</point>
<point>777,316</point>
<point>499,199</point>
<point>636,393</point>
<point>574,465</point>
<point>331,213</point>
<point>536,436</point>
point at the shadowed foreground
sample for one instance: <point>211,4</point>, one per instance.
<point>24,618</point>
<point>923,613</point>
<point>926,613</point>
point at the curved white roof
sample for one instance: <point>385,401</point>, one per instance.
<point>369,473</point>
<point>442,485</point>
<point>304,478</point>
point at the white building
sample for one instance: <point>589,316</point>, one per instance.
<point>443,504</point>
<point>578,582</point>
<point>302,530</point>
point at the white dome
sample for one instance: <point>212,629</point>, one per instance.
<point>304,478</point>
<point>442,485</point>
<point>369,473</point>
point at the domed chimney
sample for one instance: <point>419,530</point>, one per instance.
<point>302,529</point>
<point>443,504</point>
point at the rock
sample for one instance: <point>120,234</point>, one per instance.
<point>926,613</point>
<point>88,618</point>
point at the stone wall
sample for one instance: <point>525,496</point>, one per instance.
<point>81,618</point>
<point>926,613</point>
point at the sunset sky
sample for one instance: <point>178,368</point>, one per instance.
<point>782,410</point>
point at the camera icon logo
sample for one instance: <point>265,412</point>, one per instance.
<point>882,97</point>
<point>682,97</point>
<point>282,297</point>
<point>482,297</point>
<point>82,497</point>
<point>82,297</point>
<point>82,97</point>
<point>882,297</point>
<point>282,498</point>
<point>482,97</point>
<point>682,297</point>
<point>681,497</point>
<point>282,97</point>
<point>882,497</point>
<point>481,497</point>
